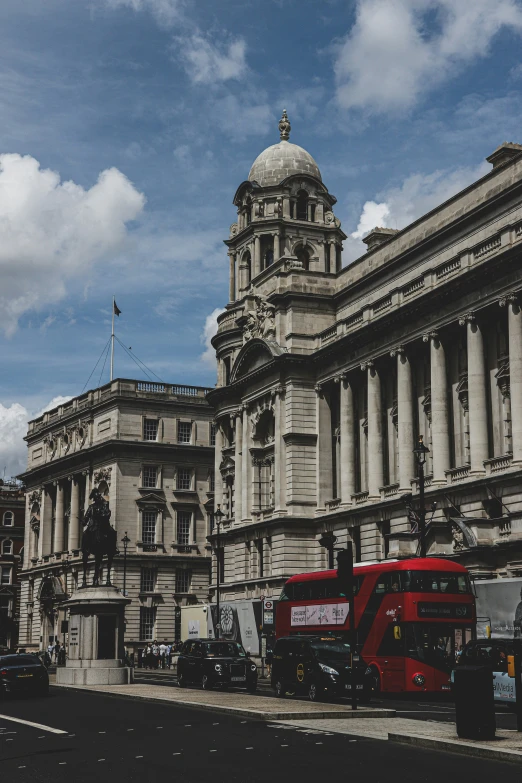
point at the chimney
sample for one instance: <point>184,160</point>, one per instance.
<point>506,152</point>
<point>378,236</point>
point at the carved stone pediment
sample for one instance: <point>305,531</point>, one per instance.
<point>255,354</point>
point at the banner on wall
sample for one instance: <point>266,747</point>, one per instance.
<point>319,614</point>
<point>499,605</point>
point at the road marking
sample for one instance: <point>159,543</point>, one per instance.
<point>176,754</point>
<point>62,763</point>
<point>34,725</point>
<point>138,757</point>
<point>318,743</point>
<point>213,751</point>
<point>21,767</point>
<point>284,746</point>
<point>102,732</point>
<point>249,748</point>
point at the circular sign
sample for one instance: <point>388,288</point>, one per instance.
<point>269,605</point>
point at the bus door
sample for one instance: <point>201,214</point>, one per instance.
<point>391,659</point>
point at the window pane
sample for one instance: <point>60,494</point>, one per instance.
<point>182,581</point>
<point>149,527</point>
<point>150,476</point>
<point>147,622</point>
<point>184,431</point>
<point>150,429</point>
<point>5,578</point>
<point>148,580</point>
<point>184,522</point>
<point>9,518</point>
<point>184,478</point>
<point>212,434</point>
<point>7,547</point>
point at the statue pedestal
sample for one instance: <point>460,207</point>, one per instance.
<point>96,631</point>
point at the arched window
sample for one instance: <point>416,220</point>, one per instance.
<point>302,205</point>
<point>7,547</point>
<point>247,269</point>
<point>303,256</point>
<point>9,519</point>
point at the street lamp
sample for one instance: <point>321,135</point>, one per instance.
<point>125,541</point>
<point>218,516</point>
<point>420,452</point>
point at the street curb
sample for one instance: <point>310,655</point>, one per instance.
<point>457,746</point>
<point>239,711</point>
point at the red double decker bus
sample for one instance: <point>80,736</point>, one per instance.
<point>410,618</point>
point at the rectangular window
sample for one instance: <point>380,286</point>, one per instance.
<point>184,523</point>
<point>5,575</point>
<point>212,434</point>
<point>147,622</point>
<point>184,478</point>
<point>149,476</point>
<point>148,580</point>
<point>150,429</point>
<point>184,431</point>
<point>182,581</point>
<point>148,535</point>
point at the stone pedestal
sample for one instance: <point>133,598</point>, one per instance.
<point>96,631</point>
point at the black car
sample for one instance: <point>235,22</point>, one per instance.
<point>23,674</point>
<point>211,662</point>
<point>319,666</point>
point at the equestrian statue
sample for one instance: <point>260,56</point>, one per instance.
<point>99,538</point>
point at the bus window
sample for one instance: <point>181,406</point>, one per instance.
<point>317,589</point>
<point>438,582</point>
<point>389,582</point>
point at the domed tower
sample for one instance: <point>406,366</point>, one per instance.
<point>285,218</point>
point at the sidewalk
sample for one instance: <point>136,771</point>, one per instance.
<point>507,746</point>
<point>236,703</point>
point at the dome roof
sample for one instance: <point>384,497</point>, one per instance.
<point>282,160</point>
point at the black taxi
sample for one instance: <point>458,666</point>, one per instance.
<point>319,666</point>
<point>210,662</point>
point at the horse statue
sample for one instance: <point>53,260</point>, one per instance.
<point>99,538</point>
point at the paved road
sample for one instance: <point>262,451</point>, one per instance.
<point>112,739</point>
<point>416,707</point>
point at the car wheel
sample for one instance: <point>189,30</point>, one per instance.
<point>205,683</point>
<point>376,680</point>
<point>181,681</point>
<point>280,690</point>
<point>252,688</point>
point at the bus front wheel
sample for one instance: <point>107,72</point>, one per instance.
<point>376,680</point>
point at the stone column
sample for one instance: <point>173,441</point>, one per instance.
<point>246,472</point>
<point>375,445</point>
<point>257,256</point>
<point>323,454</point>
<point>58,542</point>
<point>74,523</point>
<point>238,469</point>
<point>232,281</point>
<point>46,521</point>
<point>279,452</point>
<point>405,436</point>
<point>440,440</point>
<point>333,260</point>
<point>286,207</point>
<point>218,481</point>
<point>515,372</point>
<point>277,248</point>
<point>478,411</point>
<point>347,441</point>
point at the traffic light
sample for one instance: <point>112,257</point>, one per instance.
<point>345,569</point>
<point>328,540</point>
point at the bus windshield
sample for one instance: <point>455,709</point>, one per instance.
<point>433,643</point>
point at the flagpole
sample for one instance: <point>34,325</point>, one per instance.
<point>112,339</point>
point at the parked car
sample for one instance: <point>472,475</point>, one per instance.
<point>211,662</point>
<point>23,673</point>
<point>319,666</point>
<point>494,654</point>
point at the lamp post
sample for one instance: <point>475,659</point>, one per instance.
<point>125,541</point>
<point>218,516</point>
<point>420,452</point>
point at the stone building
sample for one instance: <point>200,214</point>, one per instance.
<point>327,375</point>
<point>12,518</point>
<point>149,448</point>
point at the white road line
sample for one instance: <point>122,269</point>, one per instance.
<point>34,725</point>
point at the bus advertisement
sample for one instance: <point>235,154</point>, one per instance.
<point>411,618</point>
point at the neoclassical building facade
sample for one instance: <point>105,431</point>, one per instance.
<point>327,375</point>
<point>149,449</point>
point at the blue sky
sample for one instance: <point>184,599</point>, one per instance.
<point>127,125</point>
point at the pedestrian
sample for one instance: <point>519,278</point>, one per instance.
<point>169,655</point>
<point>155,654</point>
<point>163,653</point>
<point>148,656</point>
<point>57,652</point>
<point>50,650</point>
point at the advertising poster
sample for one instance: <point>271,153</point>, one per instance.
<point>319,614</point>
<point>238,623</point>
<point>499,605</point>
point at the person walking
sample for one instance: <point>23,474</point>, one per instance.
<point>168,657</point>
<point>163,653</point>
<point>155,654</point>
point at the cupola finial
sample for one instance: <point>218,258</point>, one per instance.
<point>284,126</point>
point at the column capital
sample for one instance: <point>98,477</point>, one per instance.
<point>467,318</point>
<point>341,378</point>
<point>430,336</point>
<point>319,390</point>
<point>397,351</point>
<point>278,391</point>
<point>367,365</point>
<point>511,298</point>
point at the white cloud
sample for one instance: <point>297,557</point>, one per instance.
<point>399,49</point>
<point>166,12</point>
<point>13,427</point>
<point>53,230</point>
<point>399,206</point>
<point>208,357</point>
<point>206,63</point>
